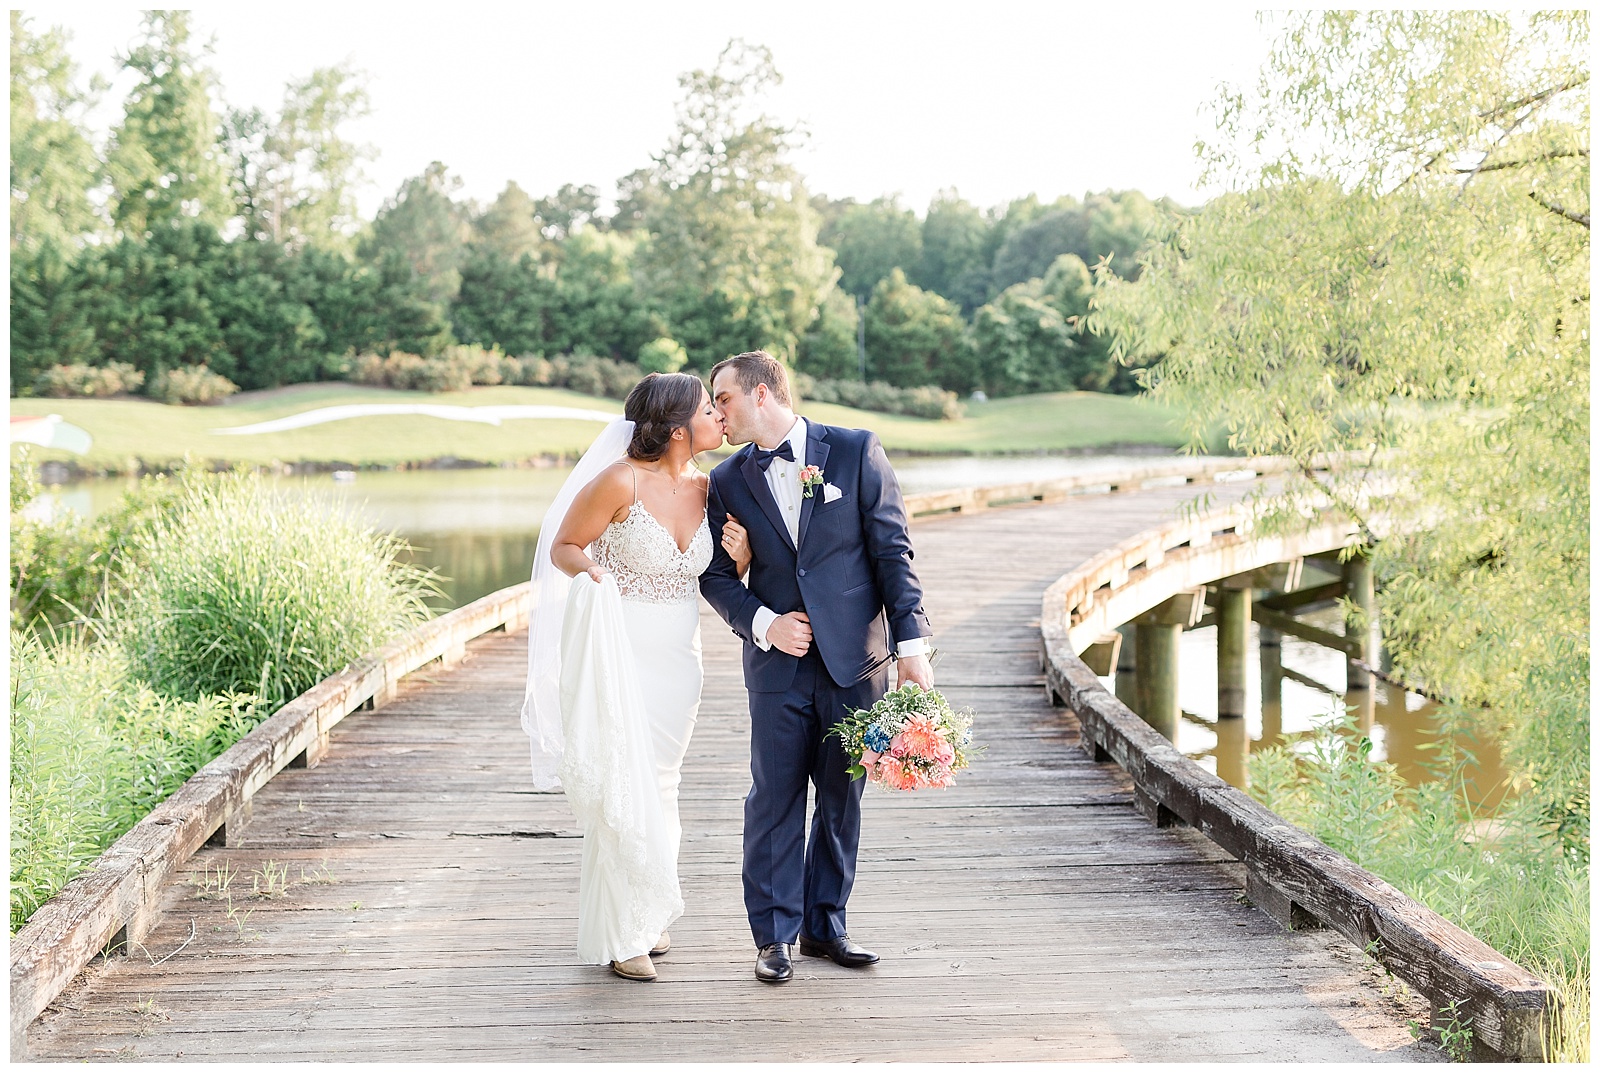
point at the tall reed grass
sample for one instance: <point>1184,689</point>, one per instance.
<point>93,749</point>
<point>209,602</point>
<point>1506,877</point>
<point>246,589</point>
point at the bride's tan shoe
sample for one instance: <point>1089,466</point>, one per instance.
<point>663,944</point>
<point>635,968</point>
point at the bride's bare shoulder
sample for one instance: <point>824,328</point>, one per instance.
<point>612,485</point>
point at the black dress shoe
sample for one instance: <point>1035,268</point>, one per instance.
<point>841,951</point>
<point>772,964</point>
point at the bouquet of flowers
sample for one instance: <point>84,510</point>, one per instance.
<point>909,740</point>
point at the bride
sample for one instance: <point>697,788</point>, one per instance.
<point>615,608</point>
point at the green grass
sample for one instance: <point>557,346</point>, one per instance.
<point>130,434</point>
<point>1503,878</point>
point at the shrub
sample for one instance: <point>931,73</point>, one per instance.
<point>662,356</point>
<point>191,385</point>
<point>930,402</point>
<point>533,370</point>
<point>246,589</point>
<point>89,381</point>
<point>481,366</point>
<point>68,570</point>
<point>457,369</point>
<point>92,751</point>
<point>439,375</point>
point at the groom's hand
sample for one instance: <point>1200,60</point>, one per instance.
<point>916,669</point>
<point>790,633</point>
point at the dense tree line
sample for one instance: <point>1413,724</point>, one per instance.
<point>197,236</point>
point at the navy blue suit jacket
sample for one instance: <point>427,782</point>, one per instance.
<point>850,573</point>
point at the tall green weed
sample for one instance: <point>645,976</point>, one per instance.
<point>243,588</point>
<point>67,571</point>
<point>93,749</point>
<point>1505,877</point>
<point>146,643</point>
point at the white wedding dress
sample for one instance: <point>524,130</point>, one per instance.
<point>630,677</point>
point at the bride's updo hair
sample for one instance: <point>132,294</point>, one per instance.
<point>658,404</point>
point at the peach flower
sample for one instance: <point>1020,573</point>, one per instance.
<point>921,737</point>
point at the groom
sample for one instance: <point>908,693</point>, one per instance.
<point>832,563</point>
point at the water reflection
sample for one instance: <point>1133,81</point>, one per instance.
<point>1294,686</point>
<point>479,527</point>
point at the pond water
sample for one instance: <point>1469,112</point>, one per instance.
<point>1296,686</point>
<point>479,527</point>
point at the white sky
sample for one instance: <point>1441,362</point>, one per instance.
<point>999,98</point>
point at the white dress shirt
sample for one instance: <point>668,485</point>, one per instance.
<point>783,479</point>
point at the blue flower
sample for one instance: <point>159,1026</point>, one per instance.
<point>877,739</point>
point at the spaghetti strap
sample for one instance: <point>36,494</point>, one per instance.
<point>635,480</point>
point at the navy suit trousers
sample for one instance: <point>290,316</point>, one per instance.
<point>792,886</point>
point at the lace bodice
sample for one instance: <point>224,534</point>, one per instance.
<point>640,552</point>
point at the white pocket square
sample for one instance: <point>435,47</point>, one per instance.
<point>830,493</point>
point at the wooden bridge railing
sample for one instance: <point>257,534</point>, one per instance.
<point>1054,489</point>
<point>113,905</point>
<point>1296,879</point>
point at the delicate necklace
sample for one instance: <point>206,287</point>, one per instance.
<point>676,483</point>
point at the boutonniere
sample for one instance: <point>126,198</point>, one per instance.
<point>810,480</point>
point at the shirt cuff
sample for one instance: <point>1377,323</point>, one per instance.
<point>759,626</point>
<point>915,646</point>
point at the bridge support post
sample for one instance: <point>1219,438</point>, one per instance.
<point>1127,682</point>
<point>1233,650</point>
<point>313,753</point>
<point>230,832</point>
<point>1271,643</point>
<point>1360,591</point>
<point>1233,751</point>
<point>1155,640</point>
<point>1277,905</point>
<point>1361,624</point>
<point>1156,677</point>
<point>1233,659</point>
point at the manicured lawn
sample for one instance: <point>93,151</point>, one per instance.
<point>128,432</point>
<point>1053,422</point>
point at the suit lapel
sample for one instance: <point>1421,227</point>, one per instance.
<point>816,455</point>
<point>757,481</point>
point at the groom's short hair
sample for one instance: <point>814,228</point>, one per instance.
<point>757,367</point>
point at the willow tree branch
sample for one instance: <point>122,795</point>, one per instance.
<point>1504,164</point>
<point>1579,218</point>
<point>1535,98</point>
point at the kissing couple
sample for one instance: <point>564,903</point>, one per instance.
<point>799,541</point>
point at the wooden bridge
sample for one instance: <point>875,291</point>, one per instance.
<point>401,894</point>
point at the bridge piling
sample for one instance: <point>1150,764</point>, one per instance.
<point>1233,649</point>
<point>1127,668</point>
<point>1155,638</point>
<point>1359,590</point>
<point>1271,645</point>
<point>1156,676</point>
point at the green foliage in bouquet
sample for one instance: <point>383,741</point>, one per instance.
<point>909,740</point>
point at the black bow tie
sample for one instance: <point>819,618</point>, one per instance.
<point>783,450</point>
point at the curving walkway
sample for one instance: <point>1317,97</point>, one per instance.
<point>1027,914</point>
